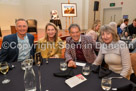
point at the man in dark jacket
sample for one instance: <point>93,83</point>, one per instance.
<point>19,46</point>
<point>131,29</point>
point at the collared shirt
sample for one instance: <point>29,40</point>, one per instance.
<point>78,50</point>
<point>24,48</point>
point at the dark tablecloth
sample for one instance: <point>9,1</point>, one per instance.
<point>52,83</point>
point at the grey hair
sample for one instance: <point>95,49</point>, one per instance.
<point>20,19</point>
<point>113,25</point>
<point>107,28</point>
<point>73,26</point>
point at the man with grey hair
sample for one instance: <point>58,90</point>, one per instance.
<point>79,47</point>
<point>19,46</point>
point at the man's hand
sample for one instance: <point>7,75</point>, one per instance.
<point>71,63</point>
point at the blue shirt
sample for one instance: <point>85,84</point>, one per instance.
<point>24,48</point>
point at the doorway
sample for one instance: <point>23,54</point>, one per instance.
<point>112,15</point>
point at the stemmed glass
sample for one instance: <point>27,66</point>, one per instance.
<point>48,54</point>
<point>106,83</point>
<point>38,61</point>
<point>4,68</point>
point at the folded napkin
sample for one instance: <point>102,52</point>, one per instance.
<point>100,70</point>
<point>66,74</point>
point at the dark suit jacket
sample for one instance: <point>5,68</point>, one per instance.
<point>88,51</point>
<point>9,50</point>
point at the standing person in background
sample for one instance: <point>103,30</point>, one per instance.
<point>94,32</point>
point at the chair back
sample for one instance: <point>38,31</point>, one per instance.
<point>13,29</point>
<point>133,62</point>
<point>32,25</point>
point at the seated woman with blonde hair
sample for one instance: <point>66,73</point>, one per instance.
<point>114,52</point>
<point>94,32</point>
<point>51,45</point>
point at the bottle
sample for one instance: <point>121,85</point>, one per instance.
<point>29,79</point>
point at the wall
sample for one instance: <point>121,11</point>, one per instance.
<point>39,10</point>
<point>128,7</point>
<point>85,13</point>
<point>91,12</point>
<point>9,11</point>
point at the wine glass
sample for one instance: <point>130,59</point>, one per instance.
<point>106,83</point>
<point>48,54</point>
<point>38,61</point>
<point>4,68</point>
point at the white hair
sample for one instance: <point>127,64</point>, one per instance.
<point>113,25</point>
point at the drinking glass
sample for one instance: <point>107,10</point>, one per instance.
<point>86,70</point>
<point>47,60</point>
<point>63,66</point>
<point>38,61</point>
<point>4,68</point>
<point>23,64</point>
<point>106,83</point>
<point>48,54</point>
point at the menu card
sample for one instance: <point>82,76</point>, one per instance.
<point>75,80</point>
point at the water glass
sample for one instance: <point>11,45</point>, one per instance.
<point>86,70</point>
<point>63,66</point>
<point>106,83</point>
<point>23,65</point>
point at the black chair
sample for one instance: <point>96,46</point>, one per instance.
<point>0,33</point>
<point>32,25</point>
<point>57,23</point>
